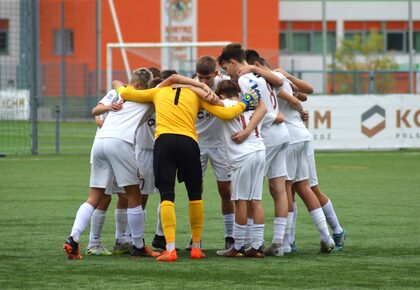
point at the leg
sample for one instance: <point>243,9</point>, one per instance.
<point>96,226</point>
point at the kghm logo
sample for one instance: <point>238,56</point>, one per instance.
<point>373,121</point>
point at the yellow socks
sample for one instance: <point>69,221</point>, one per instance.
<point>167,214</point>
<point>196,219</point>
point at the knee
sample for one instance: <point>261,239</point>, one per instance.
<point>194,196</point>
<point>170,196</point>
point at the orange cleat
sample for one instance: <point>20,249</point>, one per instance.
<point>197,253</point>
<point>168,256</point>
<point>145,251</point>
<point>72,249</point>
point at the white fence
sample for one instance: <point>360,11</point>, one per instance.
<point>364,121</point>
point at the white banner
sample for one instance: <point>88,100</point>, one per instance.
<point>14,105</point>
<point>364,121</point>
<point>178,24</point>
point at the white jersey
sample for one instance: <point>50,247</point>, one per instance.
<point>238,154</point>
<point>295,126</point>
<point>123,124</point>
<point>209,128</point>
<point>145,137</point>
<point>273,134</point>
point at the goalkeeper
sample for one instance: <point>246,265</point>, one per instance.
<point>176,150</point>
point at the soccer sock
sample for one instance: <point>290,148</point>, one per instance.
<point>286,240</point>
<point>127,234</point>
<point>239,232</point>
<point>248,232</point>
<point>135,217</point>
<point>196,221</point>
<point>279,230</point>
<point>167,214</point>
<point>331,217</point>
<point>120,223</point>
<point>292,235</point>
<point>228,221</point>
<point>81,221</point>
<point>159,230</point>
<point>318,218</point>
<point>96,225</point>
<point>257,235</point>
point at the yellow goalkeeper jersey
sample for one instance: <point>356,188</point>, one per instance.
<point>176,109</point>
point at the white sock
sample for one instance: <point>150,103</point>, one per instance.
<point>331,217</point>
<point>292,235</point>
<point>286,240</point>
<point>228,221</point>
<point>127,234</point>
<point>279,230</point>
<point>257,235</point>
<point>81,221</point>
<point>170,246</point>
<point>96,225</point>
<point>248,233</point>
<point>120,223</point>
<point>318,218</point>
<point>159,229</point>
<point>239,232</point>
<point>135,218</point>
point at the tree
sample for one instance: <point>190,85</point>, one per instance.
<point>362,54</point>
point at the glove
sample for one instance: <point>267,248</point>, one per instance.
<point>251,98</point>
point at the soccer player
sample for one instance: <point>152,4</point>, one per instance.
<point>247,160</point>
<point>210,141</point>
<point>113,155</point>
<point>176,152</point>
<point>275,135</point>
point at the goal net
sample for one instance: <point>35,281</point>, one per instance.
<point>123,58</point>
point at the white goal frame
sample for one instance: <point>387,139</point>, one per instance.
<point>111,46</point>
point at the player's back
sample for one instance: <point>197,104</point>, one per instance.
<point>176,111</point>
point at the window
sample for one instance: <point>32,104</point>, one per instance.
<point>283,41</point>
<point>395,41</point>
<point>4,36</point>
<point>68,41</point>
<point>301,42</point>
<point>318,48</point>
<point>416,41</point>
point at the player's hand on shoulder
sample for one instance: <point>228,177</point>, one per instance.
<point>117,84</point>
<point>116,106</point>
<point>246,70</point>
<point>251,99</point>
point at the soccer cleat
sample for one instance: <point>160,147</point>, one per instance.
<point>145,251</point>
<point>327,247</point>
<point>121,248</point>
<point>159,242</point>
<point>72,249</point>
<point>229,242</point>
<point>168,256</point>
<point>98,250</point>
<point>231,253</point>
<point>197,253</point>
<point>293,247</point>
<point>189,247</point>
<point>339,240</point>
<point>255,253</point>
<point>274,250</point>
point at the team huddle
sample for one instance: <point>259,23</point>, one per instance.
<point>248,123</point>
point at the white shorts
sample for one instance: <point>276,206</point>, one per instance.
<point>217,157</point>
<point>247,181</point>
<point>275,161</point>
<point>113,157</point>
<point>297,162</point>
<point>313,178</point>
<point>113,188</point>
<point>147,176</point>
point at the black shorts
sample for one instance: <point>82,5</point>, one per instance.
<point>177,154</point>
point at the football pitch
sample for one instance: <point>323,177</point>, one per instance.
<point>375,194</point>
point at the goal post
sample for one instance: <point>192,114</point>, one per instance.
<point>168,55</point>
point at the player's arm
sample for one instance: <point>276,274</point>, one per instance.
<point>101,108</point>
<point>139,96</point>
<point>224,113</point>
<point>99,122</point>
<point>210,96</point>
<point>293,101</point>
<point>302,85</point>
<point>266,73</point>
<point>260,111</point>
<point>179,79</point>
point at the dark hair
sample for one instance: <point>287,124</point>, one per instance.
<point>153,83</point>
<point>228,88</point>
<point>252,56</point>
<point>232,51</point>
<point>155,71</point>
<point>167,73</point>
<point>205,65</point>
